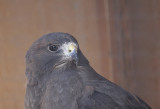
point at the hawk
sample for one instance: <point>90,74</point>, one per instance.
<point>59,76</point>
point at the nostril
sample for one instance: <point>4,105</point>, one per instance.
<point>70,50</point>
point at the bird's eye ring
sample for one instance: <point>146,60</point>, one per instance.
<point>52,47</point>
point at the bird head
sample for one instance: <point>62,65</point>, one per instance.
<point>54,50</point>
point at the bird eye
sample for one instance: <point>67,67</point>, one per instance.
<point>53,47</point>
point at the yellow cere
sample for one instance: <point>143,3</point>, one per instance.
<point>72,47</point>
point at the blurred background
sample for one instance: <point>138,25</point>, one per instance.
<point>120,38</point>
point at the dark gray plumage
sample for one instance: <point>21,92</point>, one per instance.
<point>60,77</point>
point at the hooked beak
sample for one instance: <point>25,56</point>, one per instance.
<point>70,51</point>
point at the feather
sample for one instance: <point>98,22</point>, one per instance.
<point>56,81</point>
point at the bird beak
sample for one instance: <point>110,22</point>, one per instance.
<point>72,49</point>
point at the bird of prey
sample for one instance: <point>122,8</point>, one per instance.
<point>59,76</point>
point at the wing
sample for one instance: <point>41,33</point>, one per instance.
<point>32,98</point>
<point>106,95</point>
<point>33,93</point>
<point>97,101</point>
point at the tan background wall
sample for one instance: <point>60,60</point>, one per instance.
<point>119,37</point>
<point>136,47</point>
